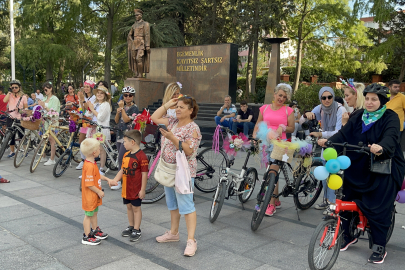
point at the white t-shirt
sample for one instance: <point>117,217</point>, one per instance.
<point>39,96</point>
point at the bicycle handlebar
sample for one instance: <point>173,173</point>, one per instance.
<point>359,147</point>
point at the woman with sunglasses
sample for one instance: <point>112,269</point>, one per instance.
<point>85,96</point>
<point>123,117</point>
<point>172,91</point>
<point>330,113</point>
<point>50,102</point>
<point>15,100</point>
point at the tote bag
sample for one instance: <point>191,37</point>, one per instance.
<point>183,182</point>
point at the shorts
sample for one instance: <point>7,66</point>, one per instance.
<point>136,202</point>
<point>91,213</point>
<point>183,202</point>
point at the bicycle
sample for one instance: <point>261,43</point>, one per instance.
<point>10,133</point>
<point>328,235</point>
<point>302,186</point>
<point>27,144</point>
<point>241,185</point>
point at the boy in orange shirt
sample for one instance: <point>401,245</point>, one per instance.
<point>134,174</point>
<point>92,193</point>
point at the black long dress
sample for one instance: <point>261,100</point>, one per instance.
<point>374,193</point>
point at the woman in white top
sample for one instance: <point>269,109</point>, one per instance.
<point>172,91</point>
<point>85,95</point>
<point>100,111</point>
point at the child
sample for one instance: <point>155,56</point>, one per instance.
<point>92,192</point>
<point>134,174</point>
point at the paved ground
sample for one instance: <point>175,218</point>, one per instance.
<point>41,228</point>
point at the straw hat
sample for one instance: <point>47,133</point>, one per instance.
<point>102,88</point>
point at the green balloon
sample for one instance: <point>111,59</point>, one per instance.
<point>329,154</point>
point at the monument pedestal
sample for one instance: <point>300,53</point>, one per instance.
<point>146,91</point>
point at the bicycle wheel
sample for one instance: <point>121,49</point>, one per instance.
<point>248,185</point>
<point>39,151</point>
<point>154,191</point>
<point>62,164</point>
<point>210,165</point>
<point>63,137</point>
<point>263,199</point>
<point>218,201</point>
<point>322,252</point>
<point>22,150</point>
<point>307,188</point>
<point>5,142</point>
<point>76,154</point>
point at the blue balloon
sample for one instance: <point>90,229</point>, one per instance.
<point>332,166</point>
<point>321,173</point>
<point>344,162</point>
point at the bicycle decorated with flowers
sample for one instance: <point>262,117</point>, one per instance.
<point>326,241</point>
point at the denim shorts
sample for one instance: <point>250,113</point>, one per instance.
<point>183,202</point>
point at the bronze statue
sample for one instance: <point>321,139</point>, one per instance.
<point>139,46</point>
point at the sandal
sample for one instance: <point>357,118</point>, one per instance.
<point>2,180</point>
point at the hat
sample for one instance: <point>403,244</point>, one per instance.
<point>15,82</point>
<point>138,11</point>
<point>102,88</point>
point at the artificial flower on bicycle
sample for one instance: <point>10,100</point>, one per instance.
<point>141,120</point>
<point>235,143</point>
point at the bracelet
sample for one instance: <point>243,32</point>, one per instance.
<point>283,127</point>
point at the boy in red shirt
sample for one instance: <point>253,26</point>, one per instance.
<point>134,174</point>
<point>92,193</point>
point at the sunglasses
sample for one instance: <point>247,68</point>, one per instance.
<point>128,95</point>
<point>328,97</point>
<point>188,97</point>
<point>15,87</point>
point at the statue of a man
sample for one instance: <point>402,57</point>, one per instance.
<point>139,45</point>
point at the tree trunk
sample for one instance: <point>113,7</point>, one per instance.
<point>402,74</point>
<point>60,73</point>
<point>214,23</point>
<point>299,49</point>
<point>49,71</point>
<point>248,89</point>
<point>256,46</point>
<point>108,46</point>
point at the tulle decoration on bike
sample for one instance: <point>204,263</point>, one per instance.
<point>303,147</point>
<point>265,134</point>
<point>233,144</point>
<point>99,137</point>
<point>72,126</point>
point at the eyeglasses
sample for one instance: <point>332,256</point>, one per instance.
<point>15,87</point>
<point>128,95</point>
<point>328,97</point>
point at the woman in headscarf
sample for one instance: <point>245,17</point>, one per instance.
<point>330,113</point>
<point>374,193</point>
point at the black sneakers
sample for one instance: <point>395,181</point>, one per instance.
<point>347,242</point>
<point>90,240</point>
<point>127,232</point>
<point>135,235</point>
<point>99,234</point>
<point>378,255</point>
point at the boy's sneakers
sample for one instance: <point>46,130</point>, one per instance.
<point>127,232</point>
<point>321,206</point>
<point>191,248</point>
<point>135,235</point>
<point>277,204</point>
<point>80,166</point>
<point>99,234</point>
<point>271,209</point>
<point>90,240</point>
<point>168,237</point>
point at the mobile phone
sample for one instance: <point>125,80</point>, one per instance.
<point>163,126</point>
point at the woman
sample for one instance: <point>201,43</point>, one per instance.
<point>172,91</point>
<point>278,117</point>
<point>15,100</point>
<point>374,193</point>
<point>71,99</point>
<point>100,112</point>
<point>354,98</point>
<point>85,97</point>
<point>297,116</point>
<point>184,129</point>
<point>330,113</point>
<point>50,102</point>
<point>124,118</point>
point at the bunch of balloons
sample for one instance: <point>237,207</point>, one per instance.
<point>333,165</point>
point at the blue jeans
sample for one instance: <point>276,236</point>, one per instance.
<point>225,123</point>
<point>245,125</point>
<point>328,193</point>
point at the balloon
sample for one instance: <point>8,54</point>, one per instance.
<point>321,173</point>
<point>333,166</point>
<point>334,181</point>
<point>329,153</point>
<point>403,185</point>
<point>344,162</point>
<point>401,196</point>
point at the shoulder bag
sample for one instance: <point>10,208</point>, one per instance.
<point>183,182</point>
<point>380,166</point>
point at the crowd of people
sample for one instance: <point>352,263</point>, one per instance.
<point>376,118</point>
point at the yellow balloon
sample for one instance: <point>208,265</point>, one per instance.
<point>334,181</point>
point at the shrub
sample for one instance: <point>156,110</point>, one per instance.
<point>307,96</point>
<point>307,72</point>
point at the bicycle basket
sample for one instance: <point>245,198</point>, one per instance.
<point>280,148</point>
<point>31,125</point>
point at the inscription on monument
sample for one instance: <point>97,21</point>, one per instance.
<point>187,61</point>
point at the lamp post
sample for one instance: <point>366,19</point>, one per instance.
<point>12,39</point>
<point>273,77</point>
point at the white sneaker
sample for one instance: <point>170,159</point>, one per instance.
<point>101,172</point>
<point>80,166</point>
<point>44,160</point>
<point>50,162</point>
<point>117,186</point>
<point>80,177</point>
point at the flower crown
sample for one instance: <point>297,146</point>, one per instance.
<point>180,85</point>
<point>350,83</point>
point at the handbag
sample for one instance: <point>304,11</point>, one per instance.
<point>183,182</point>
<point>165,172</point>
<point>380,166</point>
